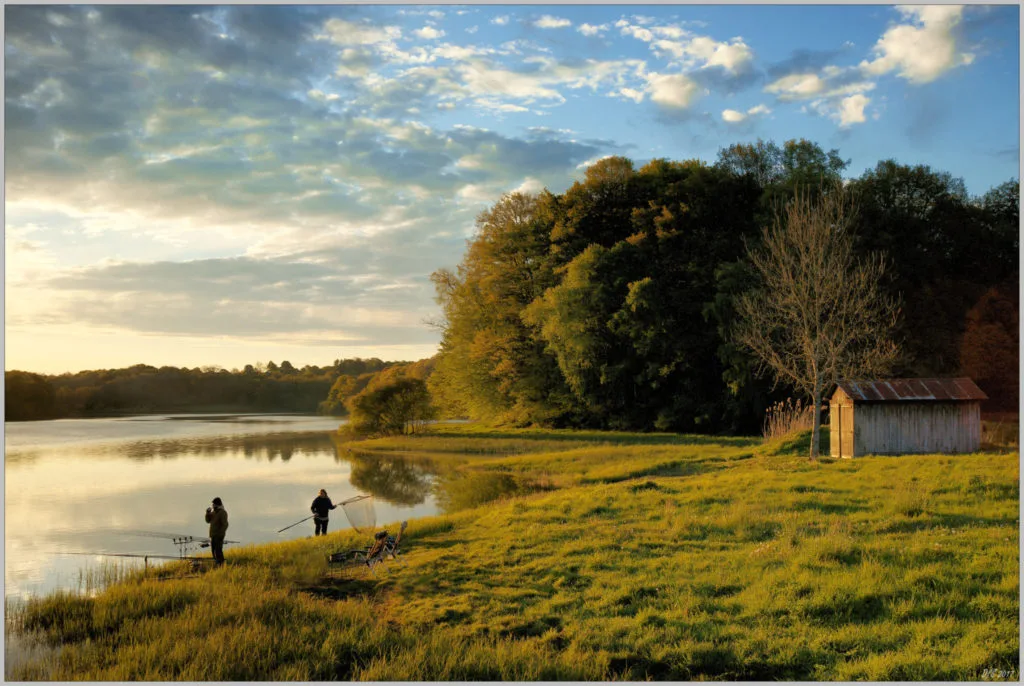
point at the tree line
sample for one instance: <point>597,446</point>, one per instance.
<point>144,389</point>
<point>618,305</point>
<point>614,304</point>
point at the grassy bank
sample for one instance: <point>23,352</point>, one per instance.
<point>618,556</point>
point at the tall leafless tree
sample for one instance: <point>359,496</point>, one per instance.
<point>819,313</point>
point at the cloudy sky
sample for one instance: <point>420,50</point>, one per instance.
<point>199,185</point>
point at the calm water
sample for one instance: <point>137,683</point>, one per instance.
<point>83,485</point>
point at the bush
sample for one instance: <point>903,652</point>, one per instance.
<point>401,407</point>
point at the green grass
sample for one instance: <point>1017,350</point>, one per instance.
<point>598,557</point>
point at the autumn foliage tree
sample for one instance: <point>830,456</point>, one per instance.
<point>990,352</point>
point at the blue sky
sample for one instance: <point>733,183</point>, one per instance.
<point>197,186</point>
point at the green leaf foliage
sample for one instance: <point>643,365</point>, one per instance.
<point>611,305</point>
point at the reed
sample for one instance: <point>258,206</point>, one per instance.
<point>785,418</point>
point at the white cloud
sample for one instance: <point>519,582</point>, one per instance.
<point>670,31</point>
<point>481,78</point>
<point>637,32</point>
<point>796,86</point>
<point>476,194</point>
<point>923,50</point>
<point>500,21</point>
<point>631,93</point>
<point>498,106</point>
<point>732,55</point>
<point>851,110</point>
<point>343,32</point>
<point>530,185</point>
<point>678,43</point>
<point>592,161</point>
<point>675,91</point>
<point>844,111</point>
<point>549,22</point>
<point>457,53</point>
<point>735,117</point>
<point>592,30</point>
<point>428,33</point>
<point>472,29</point>
<point>317,94</point>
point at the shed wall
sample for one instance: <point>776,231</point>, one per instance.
<point>934,427</point>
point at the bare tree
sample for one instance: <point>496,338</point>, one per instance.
<point>819,314</point>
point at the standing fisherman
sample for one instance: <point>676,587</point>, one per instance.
<point>320,507</point>
<point>217,517</point>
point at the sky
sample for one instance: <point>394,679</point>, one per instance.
<point>226,185</point>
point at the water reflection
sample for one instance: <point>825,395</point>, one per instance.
<point>454,490</point>
<point>404,480</point>
<point>65,497</point>
<point>76,487</point>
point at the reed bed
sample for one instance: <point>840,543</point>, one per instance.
<point>668,560</point>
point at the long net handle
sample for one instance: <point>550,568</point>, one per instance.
<point>296,523</point>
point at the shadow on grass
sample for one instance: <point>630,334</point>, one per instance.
<point>341,588</point>
<point>828,508</point>
<point>946,521</point>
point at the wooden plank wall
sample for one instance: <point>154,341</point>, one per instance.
<point>908,427</point>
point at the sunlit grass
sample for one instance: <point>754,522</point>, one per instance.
<point>609,556</point>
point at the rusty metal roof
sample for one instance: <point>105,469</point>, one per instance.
<point>899,390</point>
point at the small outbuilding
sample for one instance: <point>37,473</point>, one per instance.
<point>899,416</point>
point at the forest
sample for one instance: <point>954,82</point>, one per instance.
<point>612,305</point>
<point>142,389</point>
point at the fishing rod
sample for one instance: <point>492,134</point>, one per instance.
<point>342,503</point>
<point>193,561</point>
<point>183,541</point>
<point>177,538</point>
<point>142,555</point>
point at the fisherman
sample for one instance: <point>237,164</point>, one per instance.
<point>320,508</point>
<point>217,517</point>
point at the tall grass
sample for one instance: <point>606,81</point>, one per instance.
<point>1000,434</point>
<point>787,417</point>
<point>649,560</point>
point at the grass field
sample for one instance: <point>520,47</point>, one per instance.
<point>614,556</point>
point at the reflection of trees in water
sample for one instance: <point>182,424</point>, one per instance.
<point>398,480</point>
<point>457,490</point>
<point>259,446</point>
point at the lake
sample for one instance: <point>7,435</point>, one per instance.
<point>91,485</point>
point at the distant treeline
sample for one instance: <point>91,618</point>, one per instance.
<point>610,305</point>
<point>144,389</point>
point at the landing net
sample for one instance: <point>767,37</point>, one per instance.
<point>360,513</point>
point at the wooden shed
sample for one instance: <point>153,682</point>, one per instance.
<point>899,416</point>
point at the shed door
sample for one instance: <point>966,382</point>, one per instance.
<point>846,431</point>
<point>834,417</point>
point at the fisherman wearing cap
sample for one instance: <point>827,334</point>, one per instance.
<point>217,517</point>
<point>320,508</point>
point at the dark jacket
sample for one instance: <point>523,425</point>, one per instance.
<point>218,519</point>
<point>321,505</point>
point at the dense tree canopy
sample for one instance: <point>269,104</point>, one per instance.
<point>609,305</point>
